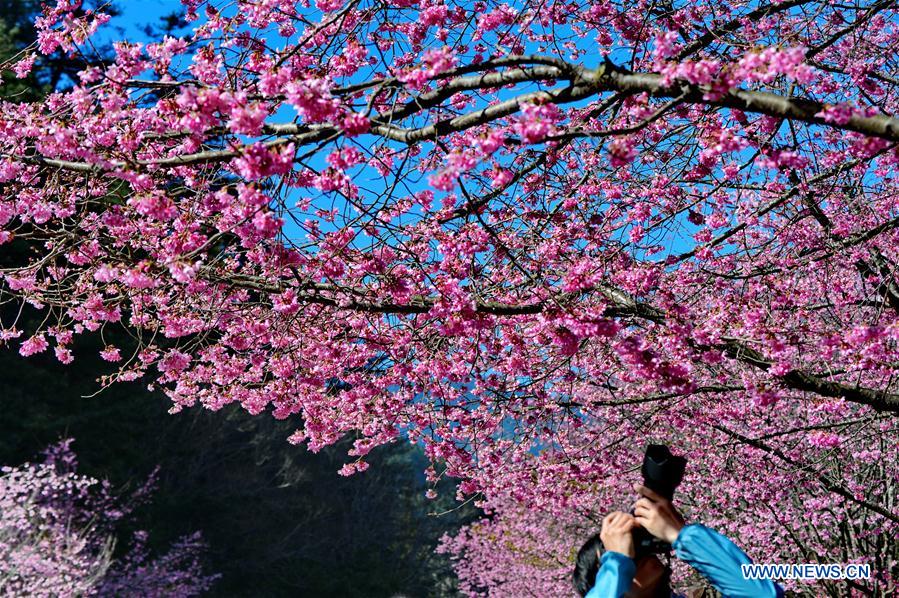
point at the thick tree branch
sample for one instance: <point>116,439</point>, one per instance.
<point>803,381</point>
<point>759,102</point>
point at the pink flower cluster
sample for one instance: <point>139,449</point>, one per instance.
<point>537,121</point>
<point>442,221</point>
<point>433,63</point>
<point>59,28</point>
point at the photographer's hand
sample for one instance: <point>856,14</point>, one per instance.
<point>616,533</point>
<point>657,515</point>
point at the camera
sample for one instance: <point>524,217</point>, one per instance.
<point>662,473</point>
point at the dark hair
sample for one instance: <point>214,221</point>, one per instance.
<point>663,587</point>
<point>587,565</point>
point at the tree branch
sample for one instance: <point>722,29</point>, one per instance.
<point>584,83</point>
<point>622,306</point>
<point>823,479</point>
<point>760,102</point>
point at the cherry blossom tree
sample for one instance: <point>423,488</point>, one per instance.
<point>530,236</point>
<point>57,537</point>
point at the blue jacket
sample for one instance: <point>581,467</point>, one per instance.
<point>714,556</point>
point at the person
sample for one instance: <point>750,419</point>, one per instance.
<point>605,566</point>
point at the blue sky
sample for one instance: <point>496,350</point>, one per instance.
<point>136,14</point>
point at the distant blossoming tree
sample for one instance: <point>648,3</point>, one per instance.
<point>531,236</point>
<point>57,537</point>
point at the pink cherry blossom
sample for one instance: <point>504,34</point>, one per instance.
<point>531,237</point>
